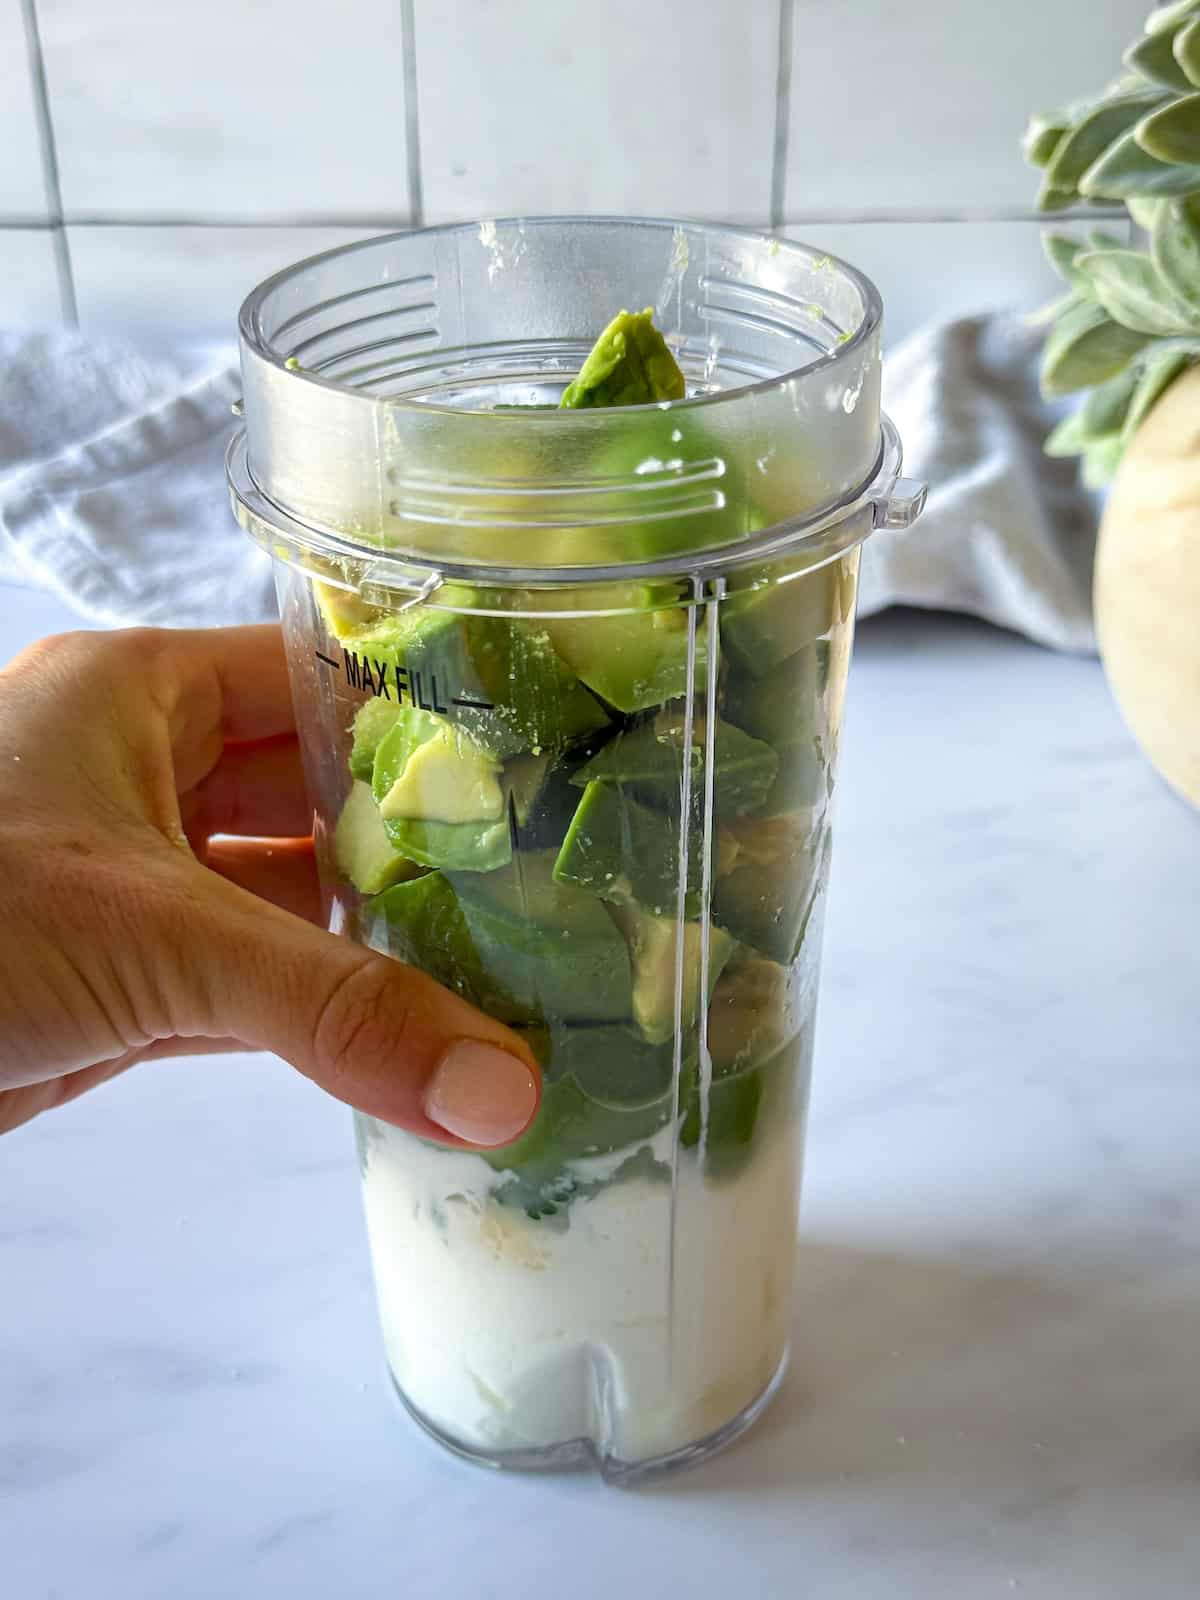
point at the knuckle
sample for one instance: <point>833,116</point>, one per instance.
<point>366,1015</point>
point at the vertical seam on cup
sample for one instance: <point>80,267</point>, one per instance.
<point>712,597</point>
<point>60,244</point>
<point>783,111</point>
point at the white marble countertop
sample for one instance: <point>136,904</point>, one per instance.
<point>994,1386</point>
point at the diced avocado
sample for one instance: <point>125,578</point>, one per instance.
<point>754,1011</point>
<point>625,852</point>
<point>524,781</point>
<point>526,891</point>
<point>630,364</point>
<point>498,677</point>
<point>605,1088</point>
<point>362,849</point>
<point>427,770</point>
<point>762,626</point>
<point>549,945</point>
<point>652,944</point>
<point>768,896</point>
<point>342,610</point>
<point>648,759</point>
<point>779,706</point>
<point>476,837</point>
<point>633,659</point>
<point>421,923</point>
<point>784,709</point>
<point>374,720</point>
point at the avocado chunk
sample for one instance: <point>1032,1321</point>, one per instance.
<point>756,1009</point>
<point>361,846</point>
<point>427,770</point>
<point>341,609</point>
<point>630,364</point>
<point>373,721</point>
<point>632,660</point>
<point>421,923</point>
<point>439,795</point>
<point>623,852</point>
<point>767,897</point>
<point>652,944</point>
<point>785,709</point>
<point>550,946</point>
<point>499,678</point>
<point>764,625</point>
<point>543,798</point>
<point>648,759</point>
<point>605,1088</point>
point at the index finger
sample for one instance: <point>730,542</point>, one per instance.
<point>233,678</point>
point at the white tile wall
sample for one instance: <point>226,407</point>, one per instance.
<point>188,279</point>
<point>900,115</point>
<point>929,271</point>
<point>277,108</point>
<point>644,106</point>
<point>28,281</point>
<point>22,190</point>
<point>921,106</point>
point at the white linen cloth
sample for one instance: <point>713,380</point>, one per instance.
<point>112,491</point>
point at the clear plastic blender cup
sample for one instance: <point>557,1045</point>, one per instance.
<point>569,687</point>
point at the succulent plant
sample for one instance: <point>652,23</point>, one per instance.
<point>1130,321</point>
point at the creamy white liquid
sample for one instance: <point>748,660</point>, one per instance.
<point>508,1333</point>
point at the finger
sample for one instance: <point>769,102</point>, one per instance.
<point>283,871</point>
<point>245,668</point>
<point>255,789</point>
<point>374,1033</point>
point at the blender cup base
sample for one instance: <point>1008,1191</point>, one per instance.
<point>579,1454</point>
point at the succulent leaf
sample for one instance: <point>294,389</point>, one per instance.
<point>1154,57</point>
<point>1125,169</point>
<point>1101,459</point>
<point>1105,409</point>
<point>1061,250</point>
<point>1144,209</point>
<point>1167,18</point>
<point>1068,437</point>
<point>1187,50</point>
<point>1175,245</point>
<point>1134,293</point>
<point>1172,131</point>
<point>1042,136</point>
<point>1094,133</point>
<point>1156,374</point>
<point>1085,348</point>
<point>1130,323</point>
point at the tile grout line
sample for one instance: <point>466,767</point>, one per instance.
<point>412,124</point>
<point>783,111</point>
<point>19,222</point>
<point>61,245</point>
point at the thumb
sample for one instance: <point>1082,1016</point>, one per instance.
<point>381,1036</point>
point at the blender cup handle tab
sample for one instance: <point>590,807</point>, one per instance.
<point>397,586</point>
<point>902,505</point>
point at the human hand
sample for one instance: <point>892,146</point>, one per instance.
<point>127,931</point>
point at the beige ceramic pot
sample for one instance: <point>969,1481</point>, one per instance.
<point>1147,586</point>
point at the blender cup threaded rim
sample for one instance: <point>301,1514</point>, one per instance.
<point>250,315</point>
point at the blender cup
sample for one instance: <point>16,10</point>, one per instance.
<point>569,688</point>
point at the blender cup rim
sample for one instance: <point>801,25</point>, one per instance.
<point>254,337</point>
<point>893,502</point>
